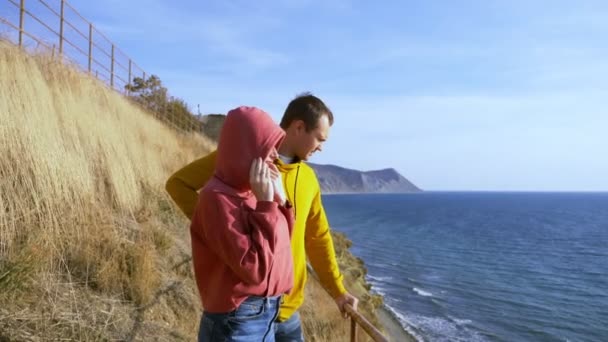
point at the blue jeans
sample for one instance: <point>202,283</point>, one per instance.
<point>289,330</point>
<point>253,320</point>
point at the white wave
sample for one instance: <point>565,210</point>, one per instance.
<point>463,321</point>
<point>378,278</point>
<point>379,290</point>
<point>381,265</point>
<point>422,292</point>
<point>444,330</point>
<point>436,328</point>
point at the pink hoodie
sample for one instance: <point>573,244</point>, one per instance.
<point>240,247</point>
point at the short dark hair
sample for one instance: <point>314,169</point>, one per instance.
<point>308,108</point>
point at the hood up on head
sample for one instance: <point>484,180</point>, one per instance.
<point>247,133</point>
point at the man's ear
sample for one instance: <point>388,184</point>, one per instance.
<point>299,126</point>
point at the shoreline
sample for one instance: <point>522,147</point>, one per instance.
<point>393,328</point>
<point>370,301</point>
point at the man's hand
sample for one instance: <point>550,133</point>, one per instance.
<point>344,299</point>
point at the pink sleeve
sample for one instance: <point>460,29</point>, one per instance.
<point>245,240</point>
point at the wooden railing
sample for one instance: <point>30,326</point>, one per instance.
<point>357,319</point>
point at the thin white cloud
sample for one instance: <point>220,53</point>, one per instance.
<point>231,36</point>
<point>515,103</point>
<point>535,142</point>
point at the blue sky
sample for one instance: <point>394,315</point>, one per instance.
<point>455,95</point>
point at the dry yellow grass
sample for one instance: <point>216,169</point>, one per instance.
<point>88,238</point>
<point>91,247</point>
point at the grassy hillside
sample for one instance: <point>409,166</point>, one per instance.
<point>91,247</point>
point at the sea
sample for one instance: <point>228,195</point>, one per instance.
<point>484,266</point>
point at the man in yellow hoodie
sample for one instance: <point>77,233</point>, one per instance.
<point>306,121</point>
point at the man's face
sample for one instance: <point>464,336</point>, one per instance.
<point>307,143</point>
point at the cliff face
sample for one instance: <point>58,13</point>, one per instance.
<point>336,179</point>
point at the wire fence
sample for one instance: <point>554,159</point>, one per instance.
<point>57,27</point>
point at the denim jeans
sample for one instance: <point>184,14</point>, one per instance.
<point>289,330</point>
<point>253,320</point>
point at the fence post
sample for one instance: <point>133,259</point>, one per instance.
<point>129,82</point>
<point>61,28</point>
<point>21,12</point>
<point>112,69</point>
<point>90,46</point>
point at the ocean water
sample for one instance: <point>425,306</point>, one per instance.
<point>485,266</point>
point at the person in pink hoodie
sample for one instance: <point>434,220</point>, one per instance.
<point>241,231</point>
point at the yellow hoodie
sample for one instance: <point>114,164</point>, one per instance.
<point>311,235</point>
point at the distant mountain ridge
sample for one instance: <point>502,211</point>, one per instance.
<point>336,179</point>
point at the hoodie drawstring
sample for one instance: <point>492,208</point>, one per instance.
<point>295,189</point>
<point>295,192</point>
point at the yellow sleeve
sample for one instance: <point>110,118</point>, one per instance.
<point>320,248</point>
<point>183,185</point>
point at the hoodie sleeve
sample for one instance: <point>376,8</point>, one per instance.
<point>320,248</point>
<point>245,240</point>
<point>183,185</point>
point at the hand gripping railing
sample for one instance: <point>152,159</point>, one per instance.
<point>356,319</point>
